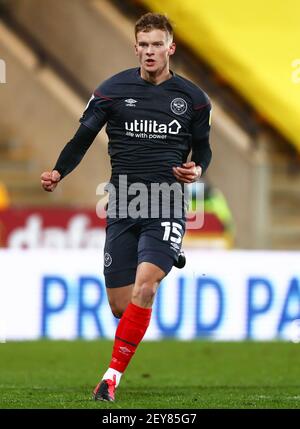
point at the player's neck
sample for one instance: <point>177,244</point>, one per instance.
<point>157,77</point>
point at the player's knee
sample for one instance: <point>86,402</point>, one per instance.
<point>145,292</point>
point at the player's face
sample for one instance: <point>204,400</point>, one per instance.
<point>153,49</point>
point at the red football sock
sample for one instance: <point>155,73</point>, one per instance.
<point>129,334</point>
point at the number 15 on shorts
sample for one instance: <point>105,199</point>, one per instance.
<point>173,231</point>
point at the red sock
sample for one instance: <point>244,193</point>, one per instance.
<point>129,334</point>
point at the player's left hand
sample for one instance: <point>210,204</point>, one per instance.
<point>188,173</point>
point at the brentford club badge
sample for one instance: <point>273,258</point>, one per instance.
<point>178,106</point>
<point>107,259</point>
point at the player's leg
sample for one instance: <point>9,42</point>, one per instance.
<point>120,263</point>
<point>119,298</point>
<point>159,245</point>
<point>148,278</point>
<point>136,318</point>
<point>155,263</point>
<point>132,327</point>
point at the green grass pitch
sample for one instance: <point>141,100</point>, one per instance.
<point>165,374</point>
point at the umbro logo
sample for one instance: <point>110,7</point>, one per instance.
<point>125,350</point>
<point>130,102</point>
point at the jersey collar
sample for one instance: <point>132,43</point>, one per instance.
<point>138,73</point>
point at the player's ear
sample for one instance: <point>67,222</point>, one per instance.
<point>136,49</point>
<point>172,48</point>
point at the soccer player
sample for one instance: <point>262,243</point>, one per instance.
<point>154,119</point>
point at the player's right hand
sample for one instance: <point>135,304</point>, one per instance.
<point>49,180</point>
<point>188,172</point>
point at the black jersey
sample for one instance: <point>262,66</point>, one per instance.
<point>150,127</point>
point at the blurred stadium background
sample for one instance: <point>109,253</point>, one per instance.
<point>241,281</point>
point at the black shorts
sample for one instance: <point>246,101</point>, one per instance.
<point>132,241</point>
